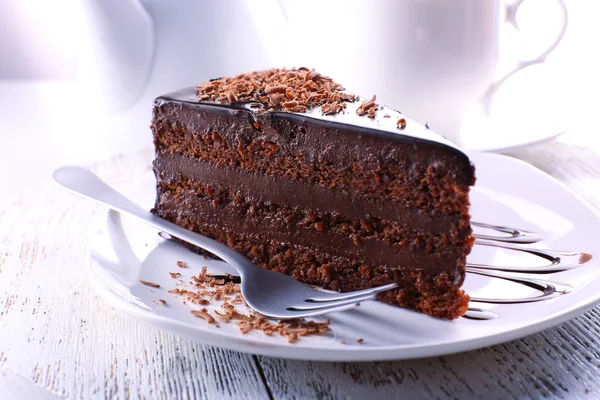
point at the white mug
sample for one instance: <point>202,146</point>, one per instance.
<point>426,58</point>
<point>132,51</point>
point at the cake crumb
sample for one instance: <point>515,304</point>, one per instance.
<point>163,302</point>
<point>181,264</point>
<point>175,274</point>
<point>387,116</point>
<point>151,284</point>
<point>343,342</point>
<point>359,340</point>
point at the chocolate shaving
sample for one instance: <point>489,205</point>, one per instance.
<point>178,291</point>
<point>151,284</point>
<point>218,287</point>
<point>238,299</point>
<point>291,329</point>
<point>367,106</point>
<point>204,314</point>
<point>401,124</point>
<point>293,90</point>
<point>227,278</point>
<point>175,274</point>
<point>333,108</point>
<point>181,264</point>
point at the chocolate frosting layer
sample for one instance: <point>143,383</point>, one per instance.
<point>282,190</point>
<point>369,250</point>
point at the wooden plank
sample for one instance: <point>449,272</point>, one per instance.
<point>563,362</point>
<point>58,333</point>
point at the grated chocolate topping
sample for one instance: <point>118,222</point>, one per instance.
<point>207,288</point>
<point>368,107</point>
<point>294,90</point>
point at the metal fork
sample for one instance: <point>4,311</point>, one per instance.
<point>270,293</point>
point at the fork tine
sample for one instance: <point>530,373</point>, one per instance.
<point>329,304</point>
<point>328,297</point>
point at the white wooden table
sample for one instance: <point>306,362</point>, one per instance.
<point>59,338</point>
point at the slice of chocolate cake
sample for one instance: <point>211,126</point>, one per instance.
<point>306,179</point>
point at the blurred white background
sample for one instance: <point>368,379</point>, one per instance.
<point>48,119</point>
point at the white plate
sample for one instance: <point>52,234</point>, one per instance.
<point>508,192</point>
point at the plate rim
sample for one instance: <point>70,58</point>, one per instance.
<point>501,150</point>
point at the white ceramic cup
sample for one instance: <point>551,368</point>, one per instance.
<point>426,58</point>
<point>132,51</point>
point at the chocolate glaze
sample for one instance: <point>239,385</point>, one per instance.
<point>282,190</point>
<point>427,144</point>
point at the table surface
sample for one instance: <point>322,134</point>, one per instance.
<point>59,338</point>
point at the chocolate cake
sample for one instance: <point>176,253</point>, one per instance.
<point>307,179</point>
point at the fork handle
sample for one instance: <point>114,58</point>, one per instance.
<point>84,183</point>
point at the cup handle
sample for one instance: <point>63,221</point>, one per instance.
<point>511,18</point>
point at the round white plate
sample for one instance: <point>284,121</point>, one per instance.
<point>508,192</point>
